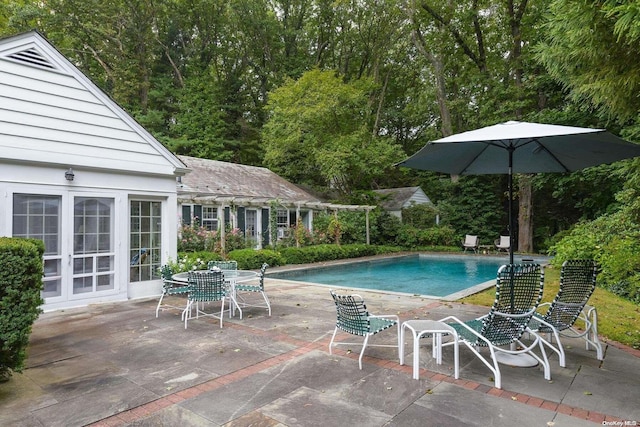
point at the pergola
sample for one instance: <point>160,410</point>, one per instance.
<point>254,201</point>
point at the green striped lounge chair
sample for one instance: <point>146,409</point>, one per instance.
<point>558,318</point>
<point>518,293</point>
<point>354,318</point>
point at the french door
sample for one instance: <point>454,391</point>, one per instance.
<point>251,226</point>
<point>78,233</point>
<point>93,252</point>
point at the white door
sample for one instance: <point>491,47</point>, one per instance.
<point>78,233</point>
<point>93,253</point>
<point>251,226</point>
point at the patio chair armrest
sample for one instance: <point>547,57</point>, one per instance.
<point>386,316</point>
<point>540,321</point>
<point>514,316</point>
<point>467,327</point>
<point>173,284</point>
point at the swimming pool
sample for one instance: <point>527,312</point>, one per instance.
<point>439,276</point>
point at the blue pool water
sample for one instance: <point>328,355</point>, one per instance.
<point>433,275</point>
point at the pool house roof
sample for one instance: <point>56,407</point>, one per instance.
<point>225,183</point>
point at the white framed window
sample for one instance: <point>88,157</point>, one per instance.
<point>145,240</point>
<point>210,218</point>
<point>282,220</point>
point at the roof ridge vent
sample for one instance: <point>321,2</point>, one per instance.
<point>33,57</point>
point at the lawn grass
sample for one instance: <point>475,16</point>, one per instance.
<point>618,319</point>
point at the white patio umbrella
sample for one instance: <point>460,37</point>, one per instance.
<point>521,147</point>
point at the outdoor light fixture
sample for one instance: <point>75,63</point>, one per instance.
<point>69,174</point>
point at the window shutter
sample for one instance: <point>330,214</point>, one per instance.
<point>197,213</point>
<point>241,220</point>
<point>186,214</point>
<point>265,227</point>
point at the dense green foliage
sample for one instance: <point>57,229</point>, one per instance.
<point>614,241</point>
<point>21,271</point>
<point>420,216</point>
<point>319,123</point>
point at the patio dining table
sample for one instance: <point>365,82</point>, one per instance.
<point>231,277</point>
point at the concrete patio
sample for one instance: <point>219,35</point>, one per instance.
<point>119,365</point>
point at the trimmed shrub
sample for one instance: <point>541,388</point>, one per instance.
<point>21,270</point>
<point>251,259</point>
<point>321,253</point>
<point>411,237</point>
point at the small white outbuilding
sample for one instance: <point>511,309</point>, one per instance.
<point>393,200</point>
<point>77,172</point>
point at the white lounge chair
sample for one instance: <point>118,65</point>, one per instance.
<point>503,243</point>
<point>471,242</point>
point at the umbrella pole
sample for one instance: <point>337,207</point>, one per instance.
<point>519,360</point>
<point>510,149</point>
<point>511,236</point>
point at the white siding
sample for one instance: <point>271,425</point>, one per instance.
<point>51,117</point>
<point>418,198</point>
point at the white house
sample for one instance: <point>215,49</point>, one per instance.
<point>79,173</point>
<point>221,194</point>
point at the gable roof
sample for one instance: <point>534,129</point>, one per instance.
<point>51,113</point>
<point>212,180</point>
<point>394,199</point>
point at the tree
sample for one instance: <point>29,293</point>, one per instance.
<point>572,52</point>
<point>318,123</point>
<point>480,66</point>
<point>577,34</point>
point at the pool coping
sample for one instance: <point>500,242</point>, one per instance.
<point>450,297</point>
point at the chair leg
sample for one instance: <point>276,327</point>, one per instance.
<point>591,337</point>
<point>544,361</point>
<point>159,304</point>
<point>558,348</point>
<point>332,338</point>
<point>495,369</point>
<point>266,300</point>
<point>187,313</point>
<point>364,346</point>
<point>222,311</point>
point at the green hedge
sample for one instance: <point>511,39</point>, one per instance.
<point>321,253</point>
<point>413,238</point>
<point>21,270</point>
<point>250,259</point>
